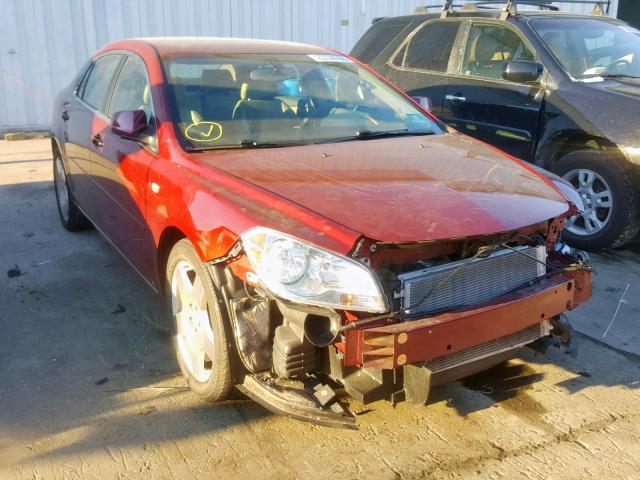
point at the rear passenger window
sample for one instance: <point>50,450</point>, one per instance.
<point>377,38</point>
<point>429,48</point>
<point>97,85</point>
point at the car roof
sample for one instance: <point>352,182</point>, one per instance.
<point>168,46</point>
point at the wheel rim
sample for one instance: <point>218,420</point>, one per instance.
<point>62,194</point>
<point>194,335</point>
<point>597,199</point>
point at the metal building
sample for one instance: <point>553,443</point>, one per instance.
<point>44,42</point>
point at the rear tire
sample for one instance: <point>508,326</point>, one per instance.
<point>70,215</point>
<point>609,191</point>
<point>201,332</point>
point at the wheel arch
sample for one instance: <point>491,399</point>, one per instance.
<point>168,238</point>
<point>565,142</point>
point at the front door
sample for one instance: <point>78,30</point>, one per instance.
<point>481,104</point>
<point>120,170</point>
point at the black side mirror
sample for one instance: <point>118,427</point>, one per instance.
<point>522,71</point>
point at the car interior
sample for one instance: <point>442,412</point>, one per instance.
<point>490,49</point>
<point>258,101</point>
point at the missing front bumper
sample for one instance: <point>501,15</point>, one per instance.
<point>417,341</point>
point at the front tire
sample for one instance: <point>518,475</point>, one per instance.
<point>201,333</point>
<point>70,215</point>
<point>608,190</point>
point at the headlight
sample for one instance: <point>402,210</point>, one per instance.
<point>297,271</point>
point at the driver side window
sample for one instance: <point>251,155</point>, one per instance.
<point>490,48</point>
<point>132,90</point>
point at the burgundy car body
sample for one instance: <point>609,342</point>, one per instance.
<point>432,194</point>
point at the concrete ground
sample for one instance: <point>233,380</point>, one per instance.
<point>89,387</point>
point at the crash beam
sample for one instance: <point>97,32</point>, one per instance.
<point>406,343</point>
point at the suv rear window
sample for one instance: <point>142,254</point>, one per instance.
<point>429,48</point>
<point>377,38</point>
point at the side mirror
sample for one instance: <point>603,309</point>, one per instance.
<point>129,123</point>
<point>424,102</point>
<point>521,71</point>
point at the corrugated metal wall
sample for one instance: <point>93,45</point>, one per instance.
<point>44,42</point>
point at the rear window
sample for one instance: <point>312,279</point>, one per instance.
<point>377,38</point>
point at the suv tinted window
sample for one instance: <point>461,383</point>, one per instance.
<point>430,47</point>
<point>97,85</point>
<point>377,38</point>
<point>490,48</point>
<point>131,91</point>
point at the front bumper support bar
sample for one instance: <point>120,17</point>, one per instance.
<point>406,343</point>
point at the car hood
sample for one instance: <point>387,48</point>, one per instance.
<point>404,189</point>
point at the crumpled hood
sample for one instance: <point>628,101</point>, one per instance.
<point>402,189</point>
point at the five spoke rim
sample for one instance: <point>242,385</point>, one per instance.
<point>195,340</point>
<point>598,202</point>
<point>61,189</point>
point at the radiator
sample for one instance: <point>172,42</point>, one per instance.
<point>480,280</point>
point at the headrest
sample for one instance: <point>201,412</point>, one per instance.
<point>486,48</point>
<point>314,85</point>
<point>217,78</point>
<point>146,95</point>
<point>259,90</point>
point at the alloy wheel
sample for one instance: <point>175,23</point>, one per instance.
<point>597,199</point>
<point>194,335</point>
<point>62,193</point>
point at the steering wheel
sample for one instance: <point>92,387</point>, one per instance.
<point>323,110</point>
<point>617,66</point>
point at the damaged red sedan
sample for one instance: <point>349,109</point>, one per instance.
<point>318,235</point>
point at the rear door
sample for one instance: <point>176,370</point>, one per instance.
<point>81,116</point>
<point>121,166</point>
<point>480,103</point>
<point>421,64</point>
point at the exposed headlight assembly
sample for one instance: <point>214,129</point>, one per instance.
<point>300,272</point>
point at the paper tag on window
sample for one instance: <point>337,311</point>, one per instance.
<point>330,58</point>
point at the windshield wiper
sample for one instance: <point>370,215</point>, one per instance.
<point>617,75</point>
<point>250,143</point>
<point>369,134</point>
<point>246,143</point>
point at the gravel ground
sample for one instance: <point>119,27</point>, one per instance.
<point>89,387</point>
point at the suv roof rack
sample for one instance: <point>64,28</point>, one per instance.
<point>510,6</point>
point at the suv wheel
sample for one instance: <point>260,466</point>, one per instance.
<point>70,215</point>
<point>612,207</point>
<point>201,333</point>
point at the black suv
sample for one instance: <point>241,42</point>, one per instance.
<point>559,90</point>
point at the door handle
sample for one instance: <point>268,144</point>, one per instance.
<point>65,115</point>
<point>455,98</point>
<point>97,140</point>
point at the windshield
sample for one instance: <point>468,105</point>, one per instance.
<point>589,48</point>
<point>277,100</point>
